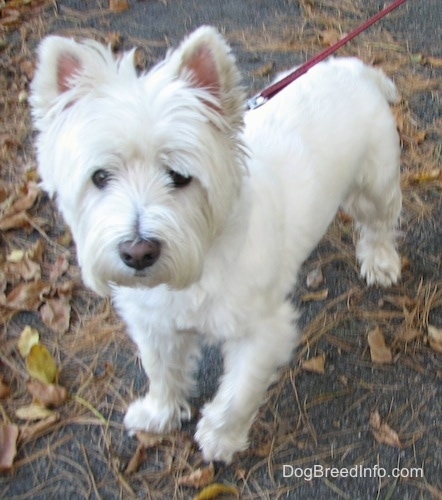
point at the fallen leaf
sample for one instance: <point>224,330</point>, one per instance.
<point>26,196</point>
<point>29,337</point>
<point>330,37</point>
<point>149,440</point>
<point>382,432</point>
<point>266,70</point>
<point>425,175</point>
<point>48,395</point>
<point>31,431</point>
<point>379,352</point>
<point>215,490</point>
<point>10,18</point>
<point>315,365</point>
<point>435,338</point>
<point>27,296</point>
<point>14,204</point>
<point>41,364</point>
<point>8,445</point>
<point>315,296</point>
<point>315,278</point>
<point>118,6</point>
<point>14,221</point>
<point>5,391</point>
<point>59,268</point>
<point>33,412</point>
<point>24,268</point>
<point>56,314</point>
<point>409,334</point>
<point>436,62</point>
<point>15,255</point>
<point>198,478</point>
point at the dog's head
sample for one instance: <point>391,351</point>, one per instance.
<point>145,168</point>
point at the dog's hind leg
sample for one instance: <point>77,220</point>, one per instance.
<point>375,202</point>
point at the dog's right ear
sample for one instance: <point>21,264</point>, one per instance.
<point>68,69</point>
<point>59,62</point>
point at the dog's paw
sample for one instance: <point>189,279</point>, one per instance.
<point>219,441</point>
<point>381,267</point>
<point>151,415</point>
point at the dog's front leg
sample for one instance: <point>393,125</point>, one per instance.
<point>250,364</point>
<point>169,360</point>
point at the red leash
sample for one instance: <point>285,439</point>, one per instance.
<point>269,92</point>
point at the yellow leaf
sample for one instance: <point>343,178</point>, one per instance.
<point>41,364</point>
<point>33,412</point>
<point>215,490</point>
<point>29,337</point>
<point>16,255</point>
<point>435,338</point>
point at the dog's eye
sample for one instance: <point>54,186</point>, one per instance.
<point>179,180</point>
<point>100,178</point>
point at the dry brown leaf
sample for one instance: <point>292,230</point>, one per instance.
<point>315,365</point>
<point>33,412</point>
<point>31,431</point>
<point>59,268</point>
<point>118,6</point>
<point>382,432</point>
<point>435,338</point>
<point>198,478</point>
<point>29,337</point>
<point>48,395</point>
<point>56,314</point>
<point>14,221</point>
<point>10,18</point>
<point>15,203</point>
<point>215,490</point>
<point>21,268</point>
<point>26,196</point>
<point>315,296</point>
<point>409,334</point>
<point>8,446</point>
<point>436,62</point>
<point>41,364</point>
<point>329,37</point>
<point>5,391</point>
<point>27,296</point>
<point>266,70</point>
<point>379,352</point>
<point>149,440</point>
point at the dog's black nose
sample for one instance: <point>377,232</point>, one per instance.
<point>140,254</point>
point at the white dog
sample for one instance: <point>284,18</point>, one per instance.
<point>197,223</point>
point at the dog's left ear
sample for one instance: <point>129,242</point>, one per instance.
<point>205,60</point>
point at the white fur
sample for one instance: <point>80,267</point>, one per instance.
<point>232,240</point>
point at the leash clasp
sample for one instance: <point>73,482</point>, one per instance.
<point>256,102</point>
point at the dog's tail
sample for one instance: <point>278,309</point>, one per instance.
<point>384,84</point>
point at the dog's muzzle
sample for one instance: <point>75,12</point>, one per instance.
<point>140,254</point>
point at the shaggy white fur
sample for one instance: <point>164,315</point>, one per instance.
<point>196,216</point>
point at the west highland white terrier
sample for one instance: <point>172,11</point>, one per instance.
<point>195,215</point>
